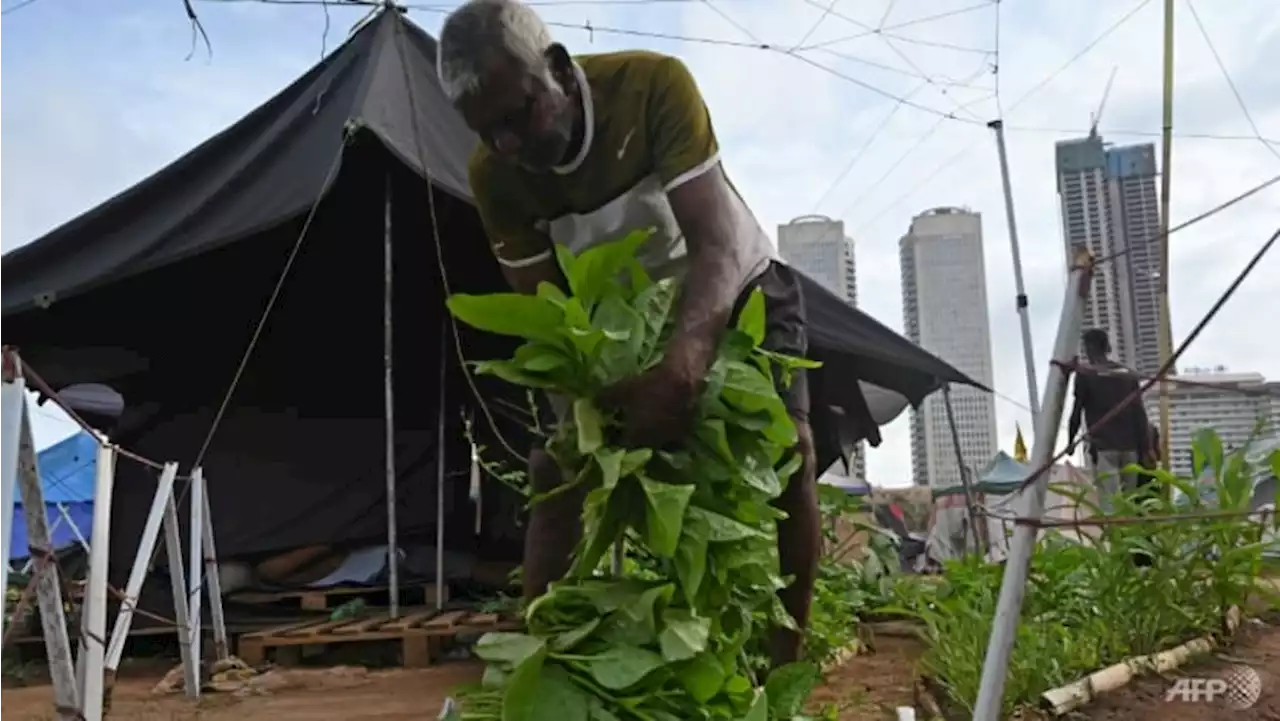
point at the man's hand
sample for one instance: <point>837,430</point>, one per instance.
<point>657,406</point>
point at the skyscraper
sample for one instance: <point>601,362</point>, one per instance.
<point>944,308</point>
<point>1110,204</point>
<point>817,246</point>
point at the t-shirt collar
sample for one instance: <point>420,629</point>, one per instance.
<point>588,123</point>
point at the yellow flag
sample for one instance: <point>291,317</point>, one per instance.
<point>1019,447</point>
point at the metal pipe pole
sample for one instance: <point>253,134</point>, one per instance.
<point>966,481</point>
<point>1009,606</point>
<point>441,465</point>
<point>94,616</point>
<point>13,405</point>
<point>1166,173</point>
<point>1028,352</point>
<point>388,387</point>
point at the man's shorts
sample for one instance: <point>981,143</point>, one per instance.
<point>785,333</point>
<point>785,330</point>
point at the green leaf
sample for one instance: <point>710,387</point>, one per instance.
<point>610,462</point>
<point>587,418</point>
<point>552,294</point>
<point>509,648</point>
<point>691,556</point>
<point>595,268</point>
<point>623,666</point>
<point>567,640</point>
<point>702,677</point>
<point>522,687</point>
<point>722,529</point>
<point>635,460</point>
<point>759,710</point>
<point>558,698</point>
<point>664,516</point>
<point>511,314</point>
<point>684,635</point>
<point>789,687</point>
<point>760,475</point>
<point>752,318</point>
<point>539,358</point>
<point>566,260</point>
<point>511,372</point>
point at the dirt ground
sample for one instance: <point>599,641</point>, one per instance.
<point>1257,648</point>
<point>867,687</point>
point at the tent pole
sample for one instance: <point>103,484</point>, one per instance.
<point>1028,353</point>
<point>13,395</point>
<point>440,461</point>
<point>138,572</point>
<point>966,481</point>
<point>66,694</point>
<point>196,579</point>
<point>1017,562</point>
<point>388,386</point>
<point>212,581</point>
<point>178,583</point>
<point>94,617</point>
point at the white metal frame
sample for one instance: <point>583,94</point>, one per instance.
<point>100,655</point>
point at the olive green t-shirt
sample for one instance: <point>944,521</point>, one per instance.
<point>647,131</point>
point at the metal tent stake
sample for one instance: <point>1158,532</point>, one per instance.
<point>1028,353</point>
<point>1009,606</point>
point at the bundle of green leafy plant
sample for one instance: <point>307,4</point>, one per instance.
<point>1088,605</point>
<point>664,641</point>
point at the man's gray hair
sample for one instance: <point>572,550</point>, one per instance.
<point>478,30</point>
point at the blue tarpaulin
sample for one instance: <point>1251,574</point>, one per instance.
<point>67,477</point>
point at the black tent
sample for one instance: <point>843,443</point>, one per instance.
<point>157,293</point>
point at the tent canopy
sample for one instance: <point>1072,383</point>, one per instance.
<point>67,473</point>
<point>157,293</point>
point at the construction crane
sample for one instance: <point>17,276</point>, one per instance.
<point>1096,116</point>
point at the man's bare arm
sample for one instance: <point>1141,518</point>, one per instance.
<point>525,279</point>
<point>1077,409</point>
<point>703,209</point>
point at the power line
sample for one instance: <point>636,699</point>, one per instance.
<point>1230,83</point>
<point>905,24</point>
<point>886,31</point>
<point>17,6</point>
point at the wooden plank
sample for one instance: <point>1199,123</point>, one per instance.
<point>365,625</point>
<point>317,629</point>
<point>445,621</point>
<point>314,601</point>
<point>411,620</point>
<point>280,630</point>
<point>251,651</point>
<point>415,651</point>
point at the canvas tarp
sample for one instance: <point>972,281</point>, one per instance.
<point>157,293</point>
<point>67,474</point>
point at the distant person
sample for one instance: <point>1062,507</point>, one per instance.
<point>1101,386</point>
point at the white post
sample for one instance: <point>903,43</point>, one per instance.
<point>12,403</point>
<point>1028,352</point>
<point>94,618</point>
<point>1009,606</point>
<point>66,695</point>
<point>441,462</point>
<point>195,568</point>
<point>212,580</point>
<point>178,582</point>
<point>389,402</point>
<point>138,572</point>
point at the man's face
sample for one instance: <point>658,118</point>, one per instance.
<point>521,114</point>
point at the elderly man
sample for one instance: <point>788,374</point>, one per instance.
<point>580,150</point>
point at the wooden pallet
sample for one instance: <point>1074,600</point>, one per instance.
<point>419,632</point>
<point>323,599</point>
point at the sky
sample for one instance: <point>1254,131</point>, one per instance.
<point>870,111</point>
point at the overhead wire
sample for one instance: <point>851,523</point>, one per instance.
<point>1222,66</point>
<point>18,6</point>
<point>898,26</point>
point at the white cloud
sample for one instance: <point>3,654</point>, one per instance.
<point>788,129</point>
